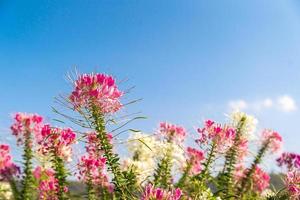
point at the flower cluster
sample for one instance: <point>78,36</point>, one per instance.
<point>172,132</point>
<point>159,166</point>
<point>5,191</point>
<point>272,139</point>
<point>143,149</point>
<point>152,193</point>
<point>147,150</point>
<point>242,149</point>
<point>261,180</point>
<point>47,183</point>
<point>221,136</point>
<point>5,157</point>
<point>290,160</point>
<point>92,165</point>
<point>92,169</point>
<point>25,124</point>
<point>7,167</point>
<point>292,182</point>
<point>195,158</point>
<point>249,123</point>
<point>57,141</point>
<point>99,89</point>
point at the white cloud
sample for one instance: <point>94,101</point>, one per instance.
<point>284,103</point>
<point>238,105</point>
<point>268,103</point>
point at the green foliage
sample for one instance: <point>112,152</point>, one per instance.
<point>61,175</point>
<point>245,184</point>
<point>123,187</point>
<point>225,183</point>
<point>27,192</point>
<point>162,175</point>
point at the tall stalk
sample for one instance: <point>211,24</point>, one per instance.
<point>90,187</point>
<point>245,183</point>
<point>162,175</point>
<point>28,179</point>
<point>230,161</point>
<point>61,176</point>
<point>112,159</point>
<point>207,164</point>
<point>184,176</point>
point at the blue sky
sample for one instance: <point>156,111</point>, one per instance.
<point>189,60</point>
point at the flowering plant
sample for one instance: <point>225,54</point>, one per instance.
<point>163,165</point>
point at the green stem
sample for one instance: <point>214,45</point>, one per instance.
<point>248,176</point>
<point>162,176</point>
<point>184,176</point>
<point>28,179</point>
<point>209,161</point>
<point>61,176</point>
<point>90,187</point>
<point>230,162</point>
<point>112,159</point>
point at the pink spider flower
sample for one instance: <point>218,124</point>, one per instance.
<point>7,168</point>
<point>290,160</point>
<point>172,132</point>
<point>152,193</point>
<point>272,139</point>
<point>97,89</point>
<point>195,159</point>
<point>93,142</point>
<point>9,172</point>
<point>242,150</point>
<point>292,182</point>
<point>47,183</point>
<point>93,169</point>
<point>239,172</point>
<point>222,136</point>
<point>5,157</point>
<point>261,180</point>
<point>92,165</point>
<point>26,124</point>
<point>57,140</point>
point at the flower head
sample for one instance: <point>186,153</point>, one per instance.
<point>93,169</point>
<point>246,122</point>
<point>172,132</point>
<point>26,124</point>
<point>7,168</point>
<point>242,149</point>
<point>290,160</point>
<point>222,136</point>
<point>261,180</point>
<point>195,159</point>
<point>57,140</point>
<point>92,165</point>
<point>97,89</point>
<point>47,183</point>
<point>5,157</point>
<point>5,191</point>
<point>292,181</point>
<point>272,139</point>
<point>152,193</point>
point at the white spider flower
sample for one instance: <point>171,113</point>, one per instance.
<point>147,151</point>
<point>249,125</point>
<point>5,191</point>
